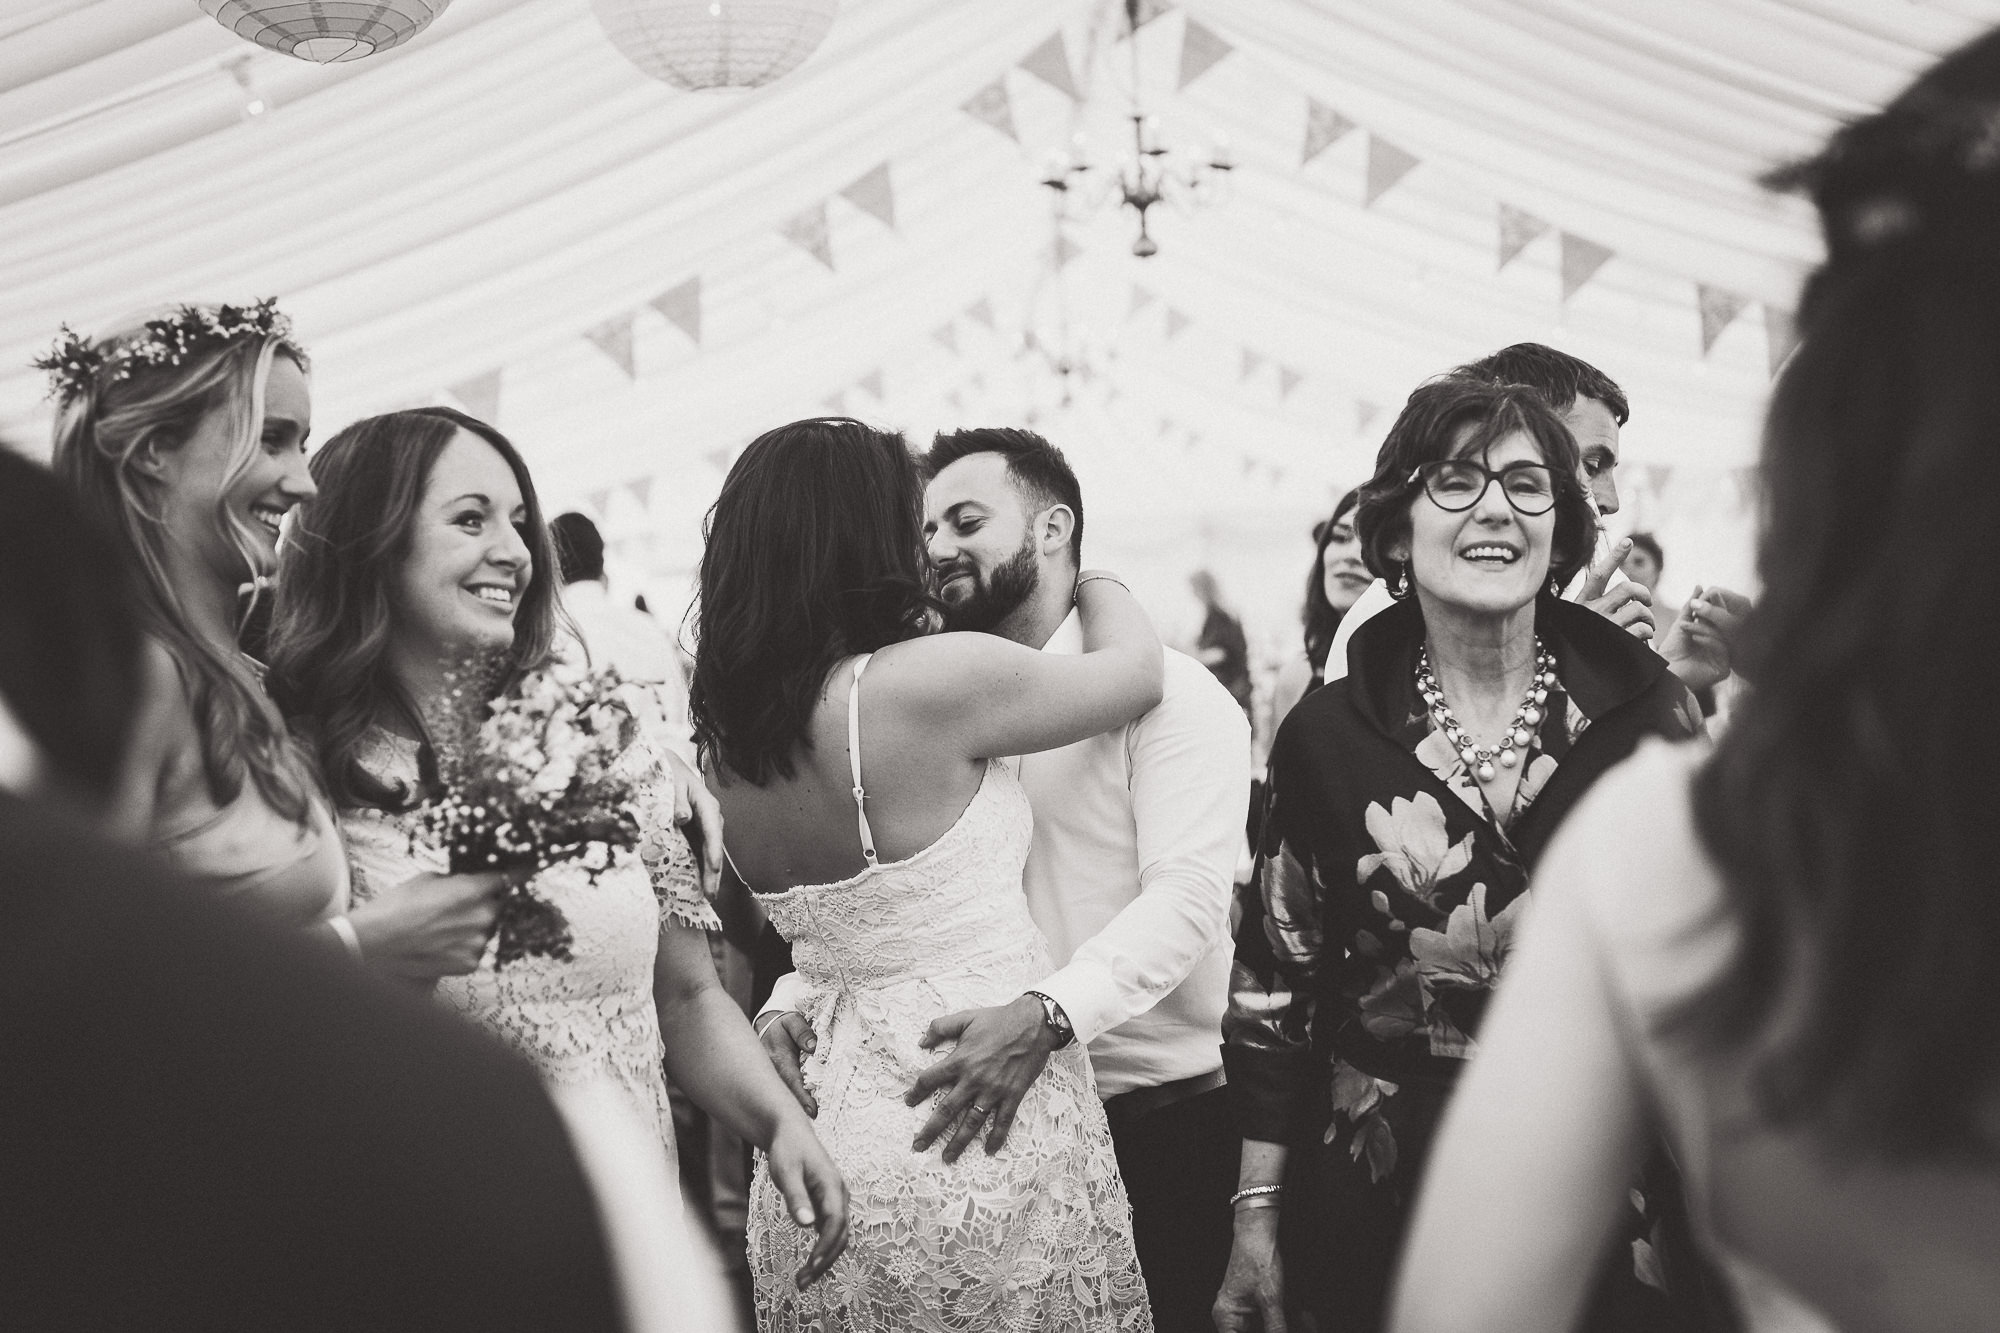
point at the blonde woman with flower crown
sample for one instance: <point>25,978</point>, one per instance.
<point>185,436</point>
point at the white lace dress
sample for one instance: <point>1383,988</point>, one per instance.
<point>1038,1237</point>
<point>587,1019</point>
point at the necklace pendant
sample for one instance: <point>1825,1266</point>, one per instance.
<point>1485,771</point>
<point>1520,736</point>
<point>1506,759</point>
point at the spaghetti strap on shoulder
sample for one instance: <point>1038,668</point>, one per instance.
<point>854,759</point>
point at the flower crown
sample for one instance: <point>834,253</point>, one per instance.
<point>74,365</point>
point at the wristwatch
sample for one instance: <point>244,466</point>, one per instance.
<point>1056,1019</point>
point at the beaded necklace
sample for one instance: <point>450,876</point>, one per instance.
<point>1479,759</point>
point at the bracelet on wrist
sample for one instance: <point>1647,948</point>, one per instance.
<point>1256,1196</point>
<point>1093,578</point>
<point>768,1019</point>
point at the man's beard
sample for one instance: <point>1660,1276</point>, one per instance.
<point>994,597</point>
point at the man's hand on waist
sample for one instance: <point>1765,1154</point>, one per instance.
<point>1000,1054</point>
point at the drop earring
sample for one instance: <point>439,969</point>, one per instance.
<point>1402,590</point>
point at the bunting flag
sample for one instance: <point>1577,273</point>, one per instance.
<point>1781,336</point>
<point>1325,127</point>
<point>1387,164</point>
<point>1200,50</point>
<point>719,459</point>
<point>1365,413</point>
<point>682,307</point>
<point>1288,380</point>
<point>808,231</point>
<point>1518,230</point>
<point>992,105</point>
<point>1143,13</point>
<point>980,312</point>
<point>642,490</point>
<point>480,395</point>
<point>1580,261</point>
<point>1166,424</point>
<point>835,404</point>
<point>1718,309</point>
<point>1141,298</point>
<point>1176,321</point>
<point>614,338</point>
<point>600,501</point>
<point>873,195</point>
<point>956,400</point>
<point>871,384</point>
<point>1049,62</point>
<point>946,336</point>
<point>978,382</point>
<point>1064,250</point>
<point>1252,362</point>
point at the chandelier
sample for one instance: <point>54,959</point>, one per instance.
<point>325,32</point>
<point>695,44</point>
<point>1152,173</point>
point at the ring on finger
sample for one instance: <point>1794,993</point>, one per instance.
<point>981,1111</point>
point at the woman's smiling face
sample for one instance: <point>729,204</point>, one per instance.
<point>467,563</point>
<point>1343,575</point>
<point>1490,559</point>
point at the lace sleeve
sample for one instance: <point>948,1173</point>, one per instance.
<point>664,850</point>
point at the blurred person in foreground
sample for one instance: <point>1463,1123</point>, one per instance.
<point>1594,408</point>
<point>1408,802</point>
<point>211,1124</point>
<point>617,635</point>
<point>1802,983</point>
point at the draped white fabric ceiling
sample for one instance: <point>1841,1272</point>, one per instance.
<point>481,199</point>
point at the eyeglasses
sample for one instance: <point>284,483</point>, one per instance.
<point>1457,484</point>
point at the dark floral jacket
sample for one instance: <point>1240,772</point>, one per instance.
<point>1386,900</point>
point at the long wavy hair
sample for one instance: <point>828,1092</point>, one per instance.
<point>105,433</point>
<point>337,575</point>
<point>1322,622</point>
<point>1850,808</point>
<point>815,552</point>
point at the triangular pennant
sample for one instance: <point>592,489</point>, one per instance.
<point>599,501</point>
<point>872,383</point>
<point>479,395</point>
<point>1781,335</point>
<point>980,312</point>
<point>1365,412</point>
<point>1141,298</point>
<point>992,105</point>
<point>1387,164</point>
<point>682,307</point>
<point>718,459</point>
<point>1252,361</point>
<point>1143,13</point>
<point>1580,261</point>
<point>956,400</point>
<point>1324,128</point>
<point>874,195</point>
<point>1064,250</point>
<point>1718,309</point>
<point>808,231</point>
<point>1166,424</point>
<point>978,383</point>
<point>946,336</point>
<point>1049,62</point>
<point>835,404</point>
<point>1288,380</point>
<point>641,489</point>
<point>614,338</point>
<point>1249,466</point>
<point>1518,229</point>
<point>1200,50</point>
<point>1176,321</point>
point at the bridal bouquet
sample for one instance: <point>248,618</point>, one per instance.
<point>530,780</point>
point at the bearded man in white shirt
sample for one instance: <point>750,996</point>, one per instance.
<point>1137,835</point>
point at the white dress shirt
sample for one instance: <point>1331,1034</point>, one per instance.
<point>1130,876</point>
<point>621,636</point>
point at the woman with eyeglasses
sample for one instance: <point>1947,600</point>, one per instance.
<point>1408,804</point>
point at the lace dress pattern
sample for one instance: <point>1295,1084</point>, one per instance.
<point>1038,1237</point>
<point>587,1019</point>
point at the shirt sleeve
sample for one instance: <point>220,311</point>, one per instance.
<point>1280,948</point>
<point>788,994</point>
<point>1190,766</point>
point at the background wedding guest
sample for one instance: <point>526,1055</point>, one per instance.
<point>1710,613</point>
<point>1408,801</point>
<point>1788,952</point>
<point>184,438</point>
<point>425,547</point>
<point>615,634</point>
<point>1335,582</point>
<point>1221,645</point>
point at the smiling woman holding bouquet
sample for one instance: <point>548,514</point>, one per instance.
<point>423,558</point>
<point>1408,803</point>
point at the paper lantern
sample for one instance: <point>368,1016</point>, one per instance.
<point>325,31</point>
<point>716,43</point>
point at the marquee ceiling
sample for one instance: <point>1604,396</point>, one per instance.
<point>635,280</point>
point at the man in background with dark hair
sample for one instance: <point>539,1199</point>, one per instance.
<point>616,635</point>
<point>1130,876</point>
<point>1594,407</point>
